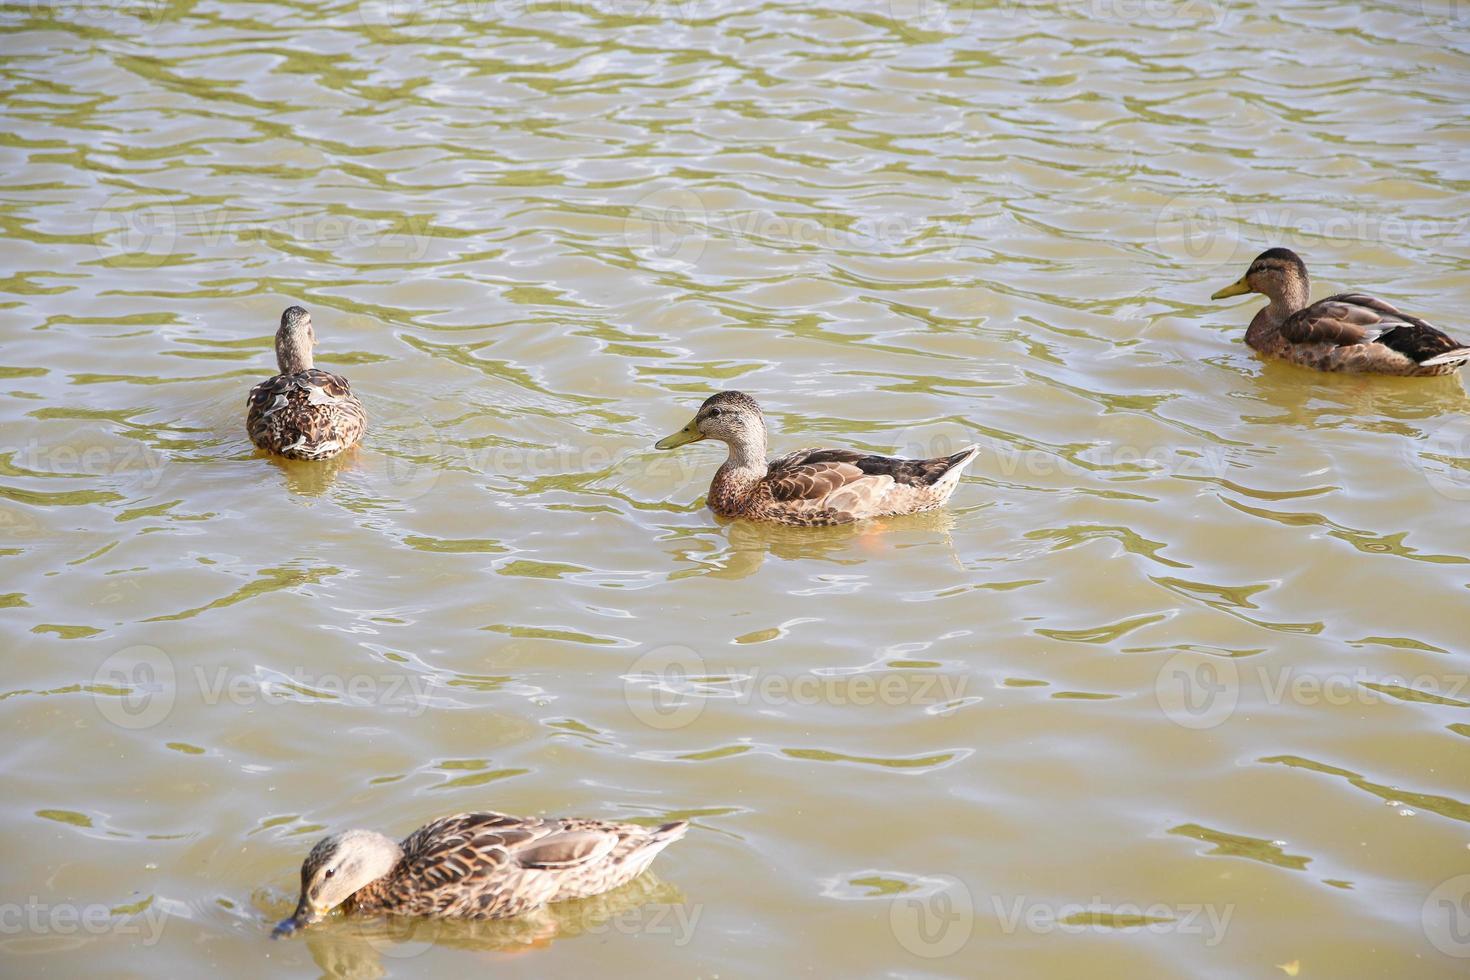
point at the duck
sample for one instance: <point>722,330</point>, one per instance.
<point>483,865</point>
<point>810,486</point>
<point>303,412</point>
<point>1349,332</point>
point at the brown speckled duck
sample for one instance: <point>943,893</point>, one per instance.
<point>1349,332</point>
<point>303,412</point>
<point>811,486</point>
<point>473,866</point>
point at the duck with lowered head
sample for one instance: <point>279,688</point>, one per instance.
<point>473,866</point>
<point>1349,332</point>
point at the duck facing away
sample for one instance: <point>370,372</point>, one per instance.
<point>810,486</point>
<point>1349,332</point>
<point>473,866</point>
<point>303,412</point>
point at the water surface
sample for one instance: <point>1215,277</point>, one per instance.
<point>1176,686</point>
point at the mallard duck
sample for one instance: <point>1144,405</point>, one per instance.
<point>810,486</point>
<point>473,866</point>
<point>1350,332</point>
<point>303,412</point>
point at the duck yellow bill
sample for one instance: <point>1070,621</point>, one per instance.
<point>1234,289</point>
<point>690,433</point>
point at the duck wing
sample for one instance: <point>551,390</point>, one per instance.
<point>312,414</point>
<point>1357,318</point>
<point>812,474</point>
<point>313,386</point>
<point>458,847</point>
<point>834,486</point>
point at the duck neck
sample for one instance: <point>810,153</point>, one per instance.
<point>293,351</point>
<point>1294,294</point>
<point>378,895</point>
<point>745,467</point>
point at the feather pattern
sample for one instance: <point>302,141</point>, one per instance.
<point>482,865</point>
<point>302,412</point>
<point>312,414</point>
<point>490,865</point>
<point>811,486</point>
<point>1349,332</point>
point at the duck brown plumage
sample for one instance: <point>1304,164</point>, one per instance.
<point>1349,332</point>
<point>474,866</point>
<point>303,412</point>
<point>811,486</point>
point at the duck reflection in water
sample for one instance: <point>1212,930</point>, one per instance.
<point>359,948</point>
<point>735,549</point>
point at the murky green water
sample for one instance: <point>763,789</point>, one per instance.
<point>1176,686</point>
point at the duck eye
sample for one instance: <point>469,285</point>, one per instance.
<point>714,413</point>
<point>329,872</point>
